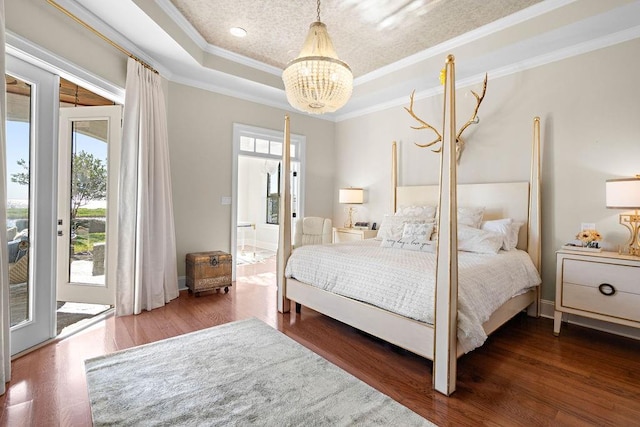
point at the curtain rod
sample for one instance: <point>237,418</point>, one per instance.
<point>102,36</point>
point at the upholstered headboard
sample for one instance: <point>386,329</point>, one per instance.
<point>500,200</point>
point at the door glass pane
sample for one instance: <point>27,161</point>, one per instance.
<point>262,146</point>
<point>246,143</point>
<point>88,206</point>
<point>276,148</point>
<point>18,127</point>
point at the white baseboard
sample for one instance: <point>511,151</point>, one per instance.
<point>548,310</point>
<point>182,283</point>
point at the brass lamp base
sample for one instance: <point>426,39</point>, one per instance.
<point>632,222</point>
<point>349,223</point>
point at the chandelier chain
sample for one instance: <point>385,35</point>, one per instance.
<point>318,10</point>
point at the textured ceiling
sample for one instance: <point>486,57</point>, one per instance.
<point>367,34</point>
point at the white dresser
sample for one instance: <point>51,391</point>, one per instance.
<point>603,285</point>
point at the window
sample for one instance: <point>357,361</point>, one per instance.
<point>266,147</point>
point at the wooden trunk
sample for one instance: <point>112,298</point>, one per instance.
<point>208,271</point>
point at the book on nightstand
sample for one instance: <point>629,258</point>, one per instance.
<point>571,247</point>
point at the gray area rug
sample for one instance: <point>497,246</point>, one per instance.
<point>237,374</point>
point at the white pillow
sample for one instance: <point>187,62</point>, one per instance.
<point>479,241</point>
<point>417,231</point>
<point>392,226</point>
<point>414,210</point>
<point>409,245</point>
<point>508,228</point>
<point>514,232</point>
<point>470,216</point>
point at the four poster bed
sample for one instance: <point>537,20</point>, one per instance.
<point>396,302</point>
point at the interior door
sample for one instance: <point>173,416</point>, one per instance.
<point>31,124</point>
<point>88,164</point>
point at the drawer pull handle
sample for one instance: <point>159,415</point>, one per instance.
<point>607,289</point>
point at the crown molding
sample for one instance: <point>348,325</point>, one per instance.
<point>471,36</point>
<point>112,34</point>
<point>259,94</point>
<point>195,36</point>
<point>529,63</point>
<point>196,75</point>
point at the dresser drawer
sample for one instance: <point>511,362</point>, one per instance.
<point>621,305</point>
<point>624,278</point>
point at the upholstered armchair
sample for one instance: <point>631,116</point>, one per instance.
<point>311,230</point>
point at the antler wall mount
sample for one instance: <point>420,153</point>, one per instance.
<point>460,143</point>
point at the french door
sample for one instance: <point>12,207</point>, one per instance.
<point>31,153</point>
<point>88,164</point>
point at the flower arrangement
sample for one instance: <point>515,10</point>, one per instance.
<point>589,238</point>
<point>443,76</point>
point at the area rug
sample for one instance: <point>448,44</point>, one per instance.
<point>237,374</point>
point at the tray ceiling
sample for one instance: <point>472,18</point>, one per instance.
<point>367,34</point>
<point>392,46</point>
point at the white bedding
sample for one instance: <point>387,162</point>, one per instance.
<point>402,281</point>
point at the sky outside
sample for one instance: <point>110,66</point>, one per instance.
<point>18,148</point>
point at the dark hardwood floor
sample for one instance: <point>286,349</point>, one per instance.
<point>523,375</point>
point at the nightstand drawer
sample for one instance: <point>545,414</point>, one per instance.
<point>623,278</point>
<point>621,305</point>
<point>347,237</point>
<point>603,286</point>
<point>352,234</point>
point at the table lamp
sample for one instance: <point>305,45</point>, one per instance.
<point>624,193</point>
<point>351,196</point>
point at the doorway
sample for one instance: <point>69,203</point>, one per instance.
<point>33,197</point>
<point>256,196</point>
<point>88,164</point>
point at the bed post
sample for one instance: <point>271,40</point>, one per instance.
<point>446,290</point>
<point>394,177</point>
<point>284,240</point>
<point>534,243</point>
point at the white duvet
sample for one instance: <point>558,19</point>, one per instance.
<point>402,281</point>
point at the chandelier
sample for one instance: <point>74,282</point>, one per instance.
<point>317,81</point>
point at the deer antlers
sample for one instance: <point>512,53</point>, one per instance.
<point>425,125</point>
<point>460,143</point>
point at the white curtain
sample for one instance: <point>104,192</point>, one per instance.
<point>5,347</point>
<point>147,275</point>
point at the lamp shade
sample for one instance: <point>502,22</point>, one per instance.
<point>317,81</point>
<point>623,193</point>
<point>351,195</point>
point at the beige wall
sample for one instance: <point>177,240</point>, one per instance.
<point>200,138</point>
<point>49,28</point>
<point>590,117</point>
<point>200,130</point>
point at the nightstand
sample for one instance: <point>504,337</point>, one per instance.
<point>351,234</point>
<point>598,285</point>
